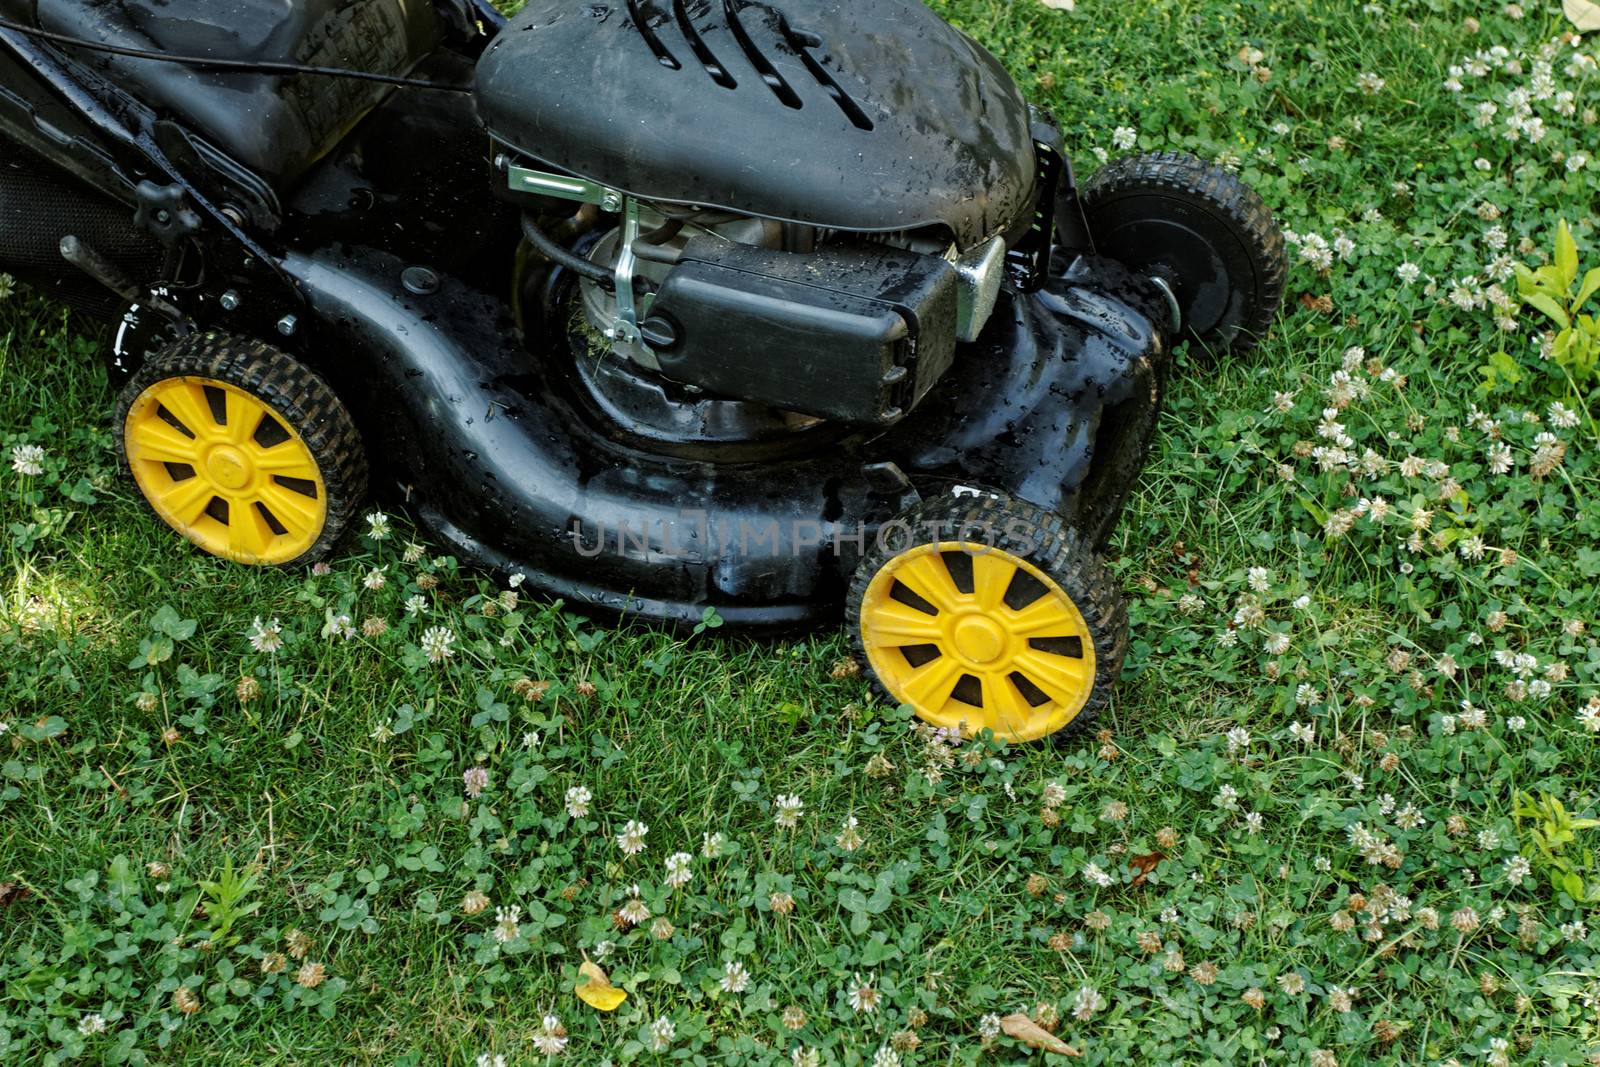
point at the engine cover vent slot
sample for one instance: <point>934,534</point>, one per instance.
<point>647,18</point>
<point>702,51</point>
<point>641,11</point>
<point>769,74</point>
<point>802,43</point>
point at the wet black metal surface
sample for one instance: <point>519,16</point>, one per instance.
<point>507,467</point>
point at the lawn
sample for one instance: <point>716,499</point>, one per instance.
<point>1336,814</point>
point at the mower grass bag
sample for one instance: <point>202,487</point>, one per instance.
<point>787,309</point>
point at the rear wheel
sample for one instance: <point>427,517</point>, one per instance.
<point>242,449</point>
<point>1200,232</point>
<point>989,613</point>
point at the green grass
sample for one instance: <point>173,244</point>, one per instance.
<point>124,788</point>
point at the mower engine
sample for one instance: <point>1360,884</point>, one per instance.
<point>808,218</point>
<point>828,325</point>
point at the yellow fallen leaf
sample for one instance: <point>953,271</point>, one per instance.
<point>1033,1035</point>
<point>1585,14</point>
<point>597,991</point>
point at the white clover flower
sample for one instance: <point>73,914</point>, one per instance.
<point>1369,84</point>
<point>662,1033</point>
<point>679,872</point>
<point>1124,138</point>
<point>334,625</point>
<point>863,997</point>
<point>507,926</point>
<point>377,525</point>
<point>551,1040</point>
<point>789,808</point>
<point>849,837</point>
<point>416,604</point>
<point>1093,873</point>
<point>1303,732</point>
<point>1517,870</point>
<point>631,839</point>
<point>1589,717</point>
<point>92,1024</point>
<point>1315,251</point>
<point>265,637</point>
<point>437,642</point>
<point>1086,1003</point>
<point>1499,456</point>
<point>989,1027</point>
<point>27,460</point>
<point>375,578</point>
<point>735,978</point>
<point>578,798</point>
<point>634,910</point>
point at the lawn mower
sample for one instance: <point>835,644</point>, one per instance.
<point>771,308</point>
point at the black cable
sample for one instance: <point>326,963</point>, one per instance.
<point>241,66</point>
<point>565,257</point>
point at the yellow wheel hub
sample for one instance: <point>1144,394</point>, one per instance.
<point>974,637</point>
<point>221,467</point>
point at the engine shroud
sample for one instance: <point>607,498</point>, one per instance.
<point>862,115</point>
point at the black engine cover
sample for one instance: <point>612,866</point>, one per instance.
<point>864,115</point>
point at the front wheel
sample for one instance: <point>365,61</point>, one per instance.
<point>987,613</point>
<point>242,449</point>
<point>1201,233</point>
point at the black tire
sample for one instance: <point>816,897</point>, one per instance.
<point>298,398</point>
<point>1042,539</point>
<point>1203,232</point>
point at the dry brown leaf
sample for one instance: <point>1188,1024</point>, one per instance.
<point>1033,1035</point>
<point>1144,865</point>
<point>1584,14</point>
<point>12,893</point>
